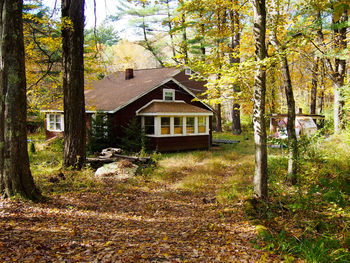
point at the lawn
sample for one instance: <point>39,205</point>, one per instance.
<point>193,206</point>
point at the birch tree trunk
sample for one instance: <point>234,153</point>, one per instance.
<point>15,174</point>
<point>259,32</point>
<point>73,84</point>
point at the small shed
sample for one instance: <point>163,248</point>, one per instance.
<point>305,124</point>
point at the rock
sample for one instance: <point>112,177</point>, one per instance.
<point>117,170</point>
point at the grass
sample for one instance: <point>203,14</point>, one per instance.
<point>308,221</point>
<point>46,167</point>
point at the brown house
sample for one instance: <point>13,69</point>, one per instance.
<point>164,100</point>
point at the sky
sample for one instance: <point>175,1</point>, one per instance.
<point>104,8</point>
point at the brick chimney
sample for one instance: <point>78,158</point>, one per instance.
<point>129,73</point>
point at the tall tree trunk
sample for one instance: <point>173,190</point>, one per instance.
<point>184,43</point>
<point>274,89</point>
<point>314,84</point>
<point>73,85</point>
<point>235,59</point>
<point>287,84</point>
<point>218,118</point>
<point>339,35</point>
<point>15,174</point>
<point>321,61</point>
<point>292,138</point>
<point>202,42</point>
<point>259,32</point>
<point>323,88</point>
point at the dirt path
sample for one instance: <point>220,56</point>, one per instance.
<point>138,223</point>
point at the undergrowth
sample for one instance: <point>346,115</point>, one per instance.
<point>46,167</point>
<point>310,220</point>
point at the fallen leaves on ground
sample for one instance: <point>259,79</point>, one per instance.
<point>152,223</point>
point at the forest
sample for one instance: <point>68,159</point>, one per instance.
<point>274,185</point>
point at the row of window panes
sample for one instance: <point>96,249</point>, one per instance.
<point>55,122</point>
<point>178,125</point>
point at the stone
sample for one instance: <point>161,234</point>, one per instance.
<point>117,170</point>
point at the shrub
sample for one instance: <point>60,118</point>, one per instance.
<point>134,139</point>
<point>32,147</point>
<point>99,133</point>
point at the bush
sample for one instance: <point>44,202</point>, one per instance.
<point>32,147</point>
<point>98,135</point>
<point>134,139</point>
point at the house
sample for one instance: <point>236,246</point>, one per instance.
<point>305,124</point>
<point>164,100</point>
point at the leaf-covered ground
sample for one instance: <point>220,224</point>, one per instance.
<point>174,219</point>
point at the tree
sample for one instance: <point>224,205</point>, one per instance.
<point>73,83</point>
<point>145,17</point>
<point>281,49</point>
<point>104,34</point>
<point>333,56</point>
<point>42,42</point>
<point>259,31</point>
<point>15,174</point>
<point>235,58</point>
<point>338,71</point>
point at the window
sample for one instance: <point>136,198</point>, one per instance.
<point>178,125</point>
<point>190,125</point>
<point>188,71</point>
<point>202,124</point>
<point>149,125</point>
<point>55,122</point>
<point>165,125</point>
<point>169,94</point>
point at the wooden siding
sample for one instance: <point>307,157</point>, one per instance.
<point>122,117</point>
<point>51,134</point>
<point>168,144</point>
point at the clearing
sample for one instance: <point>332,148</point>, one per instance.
<point>177,212</point>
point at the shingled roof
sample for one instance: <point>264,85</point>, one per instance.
<point>114,91</point>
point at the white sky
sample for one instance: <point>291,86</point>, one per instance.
<point>104,8</point>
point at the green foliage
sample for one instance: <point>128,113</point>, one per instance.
<point>99,133</point>
<point>318,249</point>
<point>310,220</point>
<point>104,34</point>
<point>134,138</point>
<point>57,145</point>
<point>32,147</point>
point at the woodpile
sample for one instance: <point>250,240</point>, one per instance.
<point>111,155</point>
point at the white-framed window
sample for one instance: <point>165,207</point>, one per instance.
<point>190,125</point>
<point>165,125</point>
<point>202,124</point>
<point>178,125</point>
<point>188,71</point>
<point>169,94</point>
<point>55,122</point>
<point>149,125</point>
